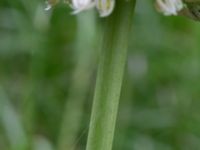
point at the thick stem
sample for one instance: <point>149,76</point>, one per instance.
<point>110,76</point>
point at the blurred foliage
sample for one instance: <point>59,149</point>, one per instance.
<point>48,61</point>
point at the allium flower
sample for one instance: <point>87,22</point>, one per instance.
<point>169,7</point>
<point>80,5</point>
<point>104,7</point>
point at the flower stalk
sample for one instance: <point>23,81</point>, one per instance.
<point>110,76</point>
<point>74,109</point>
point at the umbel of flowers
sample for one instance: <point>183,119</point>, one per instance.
<point>104,7</point>
<point>188,8</point>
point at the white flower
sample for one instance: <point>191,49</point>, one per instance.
<point>80,5</point>
<point>105,7</point>
<point>169,7</point>
<point>48,6</point>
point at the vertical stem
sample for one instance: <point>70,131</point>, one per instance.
<point>84,55</point>
<point>110,76</point>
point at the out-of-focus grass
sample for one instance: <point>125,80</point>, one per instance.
<point>159,108</point>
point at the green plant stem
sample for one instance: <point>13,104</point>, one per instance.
<point>84,56</point>
<point>110,76</point>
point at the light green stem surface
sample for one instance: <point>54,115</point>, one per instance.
<point>84,56</point>
<point>110,76</point>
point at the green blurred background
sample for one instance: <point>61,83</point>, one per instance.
<point>48,63</point>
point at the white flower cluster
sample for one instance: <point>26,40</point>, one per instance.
<point>104,7</point>
<point>169,7</point>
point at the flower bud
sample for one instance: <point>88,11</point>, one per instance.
<point>81,5</point>
<point>169,7</point>
<point>105,7</point>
